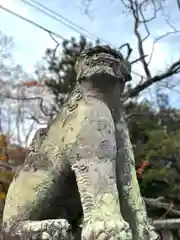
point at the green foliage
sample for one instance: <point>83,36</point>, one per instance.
<point>141,120</point>
<point>155,135</point>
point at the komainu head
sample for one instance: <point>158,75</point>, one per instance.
<point>103,60</point>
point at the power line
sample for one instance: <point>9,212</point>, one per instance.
<point>58,17</point>
<point>33,23</point>
<point>41,27</point>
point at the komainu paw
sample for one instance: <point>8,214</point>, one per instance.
<point>55,229</point>
<point>106,230</point>
<point>58,229</point>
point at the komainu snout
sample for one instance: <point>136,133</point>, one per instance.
<point>103,60</point>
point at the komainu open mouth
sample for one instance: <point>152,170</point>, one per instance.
<point>103,60</point>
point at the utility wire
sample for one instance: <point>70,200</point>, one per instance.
<point>40,26</point>
<point>60,18</point>
<point>33,23</point>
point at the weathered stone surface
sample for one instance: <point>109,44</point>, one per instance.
<point>69,177</point>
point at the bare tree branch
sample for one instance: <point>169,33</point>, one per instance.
<point>174,30</point>
<point>29,99</point>
<point>135,12</point>
<point>155,203</point>
<point>178,3</point>
<point>167,224</point>
<point>155,10</point>
<point>129,49</point>
<point>138,59</point>
<point>173,69</point>
<point>138,11</point>
<point>36,120</point>
<point>29,133</point>
<point>54,50</point>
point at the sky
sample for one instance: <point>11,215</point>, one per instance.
<point>107,20</point>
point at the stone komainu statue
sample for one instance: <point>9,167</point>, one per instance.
<point>68,180</point>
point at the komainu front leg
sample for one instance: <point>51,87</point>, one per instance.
<point>102,217</point>
<point>92,157</point>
